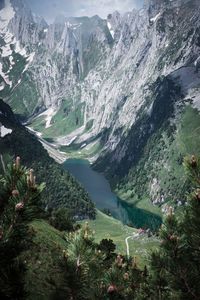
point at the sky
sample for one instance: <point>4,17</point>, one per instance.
<point>76,8</point>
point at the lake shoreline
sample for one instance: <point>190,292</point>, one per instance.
<point>100,192</point>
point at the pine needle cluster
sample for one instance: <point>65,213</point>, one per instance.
<point>19,205</point>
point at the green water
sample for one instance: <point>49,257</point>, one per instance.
<point>100,192</point>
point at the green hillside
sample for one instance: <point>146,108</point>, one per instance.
<point>43,274</point>
<point>107,227</point>
<point>162,159</point>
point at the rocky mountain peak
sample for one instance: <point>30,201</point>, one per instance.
<point>113,23</point>
<point>154,6</point>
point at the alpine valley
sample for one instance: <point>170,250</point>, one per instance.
<point>123,93</point>
<point>100,152</point>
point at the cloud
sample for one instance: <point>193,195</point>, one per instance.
<point>104,7</point>
<point>50,8</point>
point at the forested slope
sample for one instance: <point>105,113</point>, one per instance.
<point>61,187</point>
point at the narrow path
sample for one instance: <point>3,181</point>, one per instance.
<point>127,245</point>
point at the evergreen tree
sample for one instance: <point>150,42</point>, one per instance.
<point>107,246</point>
<point>19,205</point>
<point>176,266</point>
<point>89,274</point>
<point>61,219</point>
<point>83,266</point>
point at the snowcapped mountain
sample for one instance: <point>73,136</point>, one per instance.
<point>109,84</point>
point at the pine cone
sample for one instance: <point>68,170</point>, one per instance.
<point>193,162</point>
<point>119,260</point>
<point>173,237</point>
<point>102,285</point>
<point>19,206</point>
<point>126,276</point>
<point>15,193</point>
<point>163,242</point>
<point>65,254</point>
<point>112,289</point>
<point>197,194</point>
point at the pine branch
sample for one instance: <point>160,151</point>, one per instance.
<point>3,164</point>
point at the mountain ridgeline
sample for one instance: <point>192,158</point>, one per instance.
<point>124,91</point>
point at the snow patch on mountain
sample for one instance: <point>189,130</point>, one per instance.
<point>197,62</point>
<point>71,141</point>
<point>49,114</point>
<point>2,86</point>
<point>11,59</point>
<point>111,29</point>
<point>18,48</point>
<point>9,40</point>
<point>31,57</point>
<point>6,51</point>
<point>4,131</point>
<point>154,19</point>
<point>29,60</point>
<point>70,138</point>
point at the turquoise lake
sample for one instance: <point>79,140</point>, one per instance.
<point>101,194</point>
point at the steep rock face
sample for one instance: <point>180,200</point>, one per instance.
<point>153,147</point>
<point>63,54</point>
<point>15,56</point>
<point>87,80</point>
<point>148,47</point>
<point>23,26</point>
